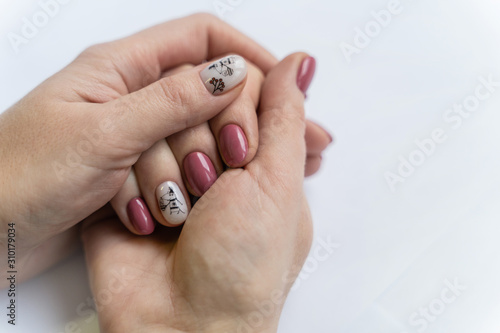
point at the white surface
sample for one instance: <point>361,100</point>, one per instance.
<point>397,249</point>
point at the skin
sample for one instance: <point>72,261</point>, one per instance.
<point>113,93</point>
<point>53,176</point>
<point>239,251</point>
<point>164,160</point>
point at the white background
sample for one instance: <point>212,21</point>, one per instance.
<point>397,248</point>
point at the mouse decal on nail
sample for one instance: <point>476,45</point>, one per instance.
<point>170,201</point>
<point>222,66</point>
<point>224,74</point>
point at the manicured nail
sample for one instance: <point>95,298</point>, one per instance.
<point>233,144</point>
<point>172,203</point>
<point>200,172</point>
<point>139,216</point>
<point>306,73</point>
<point>329,136</point>
<point>224,74</point>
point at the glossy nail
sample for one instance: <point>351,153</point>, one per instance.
<point>172,203</point>
<point>306,73</point>
<point>330,137</point>
<point>327,134</point>
<point>200,172</point>
<point>224,74</point>
<point>233,145</point>
<point>139,216</point>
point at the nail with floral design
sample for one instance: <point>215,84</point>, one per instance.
<point>218,84</point>
<point>224,74</point>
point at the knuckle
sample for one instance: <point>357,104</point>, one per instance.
<point>285,116</point>
<point>255,79</point>
<point>255,72</point>
<point>173,93</point>
<point>96,50</point>
<point>177,70</point>
<point>206,18</point>
<point>203,21</point>
<point>99,58</point>
<point>276,181</point>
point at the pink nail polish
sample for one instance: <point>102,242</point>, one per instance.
<point>233,145</point>
<point>140,217</point>
<point>200,172</point>
<point>329,136</point>
<point>306,73</point>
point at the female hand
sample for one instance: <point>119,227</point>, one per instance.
<point>231,266</point>
<point>191,160</point>
<point>68,146</point>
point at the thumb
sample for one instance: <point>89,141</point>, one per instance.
<point>282,150</point>
<point>174,103</point>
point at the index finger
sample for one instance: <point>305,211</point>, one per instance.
<point>142,57</point>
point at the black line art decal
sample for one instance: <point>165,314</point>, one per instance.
<point>170,201</point>
<point>218,85</point>
<point>222,66</point>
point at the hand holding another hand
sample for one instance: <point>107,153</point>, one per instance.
<point>231,266</point>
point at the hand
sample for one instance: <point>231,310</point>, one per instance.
<point>191,160</point>
<point>68,146</point>
<point>231,266</point>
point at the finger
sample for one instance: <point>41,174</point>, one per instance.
<point>195,150</point>
<point>317,138</point>
<point>142,57</point>
<point>282,150</point>
<point>172,104</point>
<point>313,163</point>
<point>131,208</point>
<point>176,70</point>
<point>236,127</point>
<point>161,184</point>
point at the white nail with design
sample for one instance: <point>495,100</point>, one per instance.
<point>224,74</point>
<point>172,203</point>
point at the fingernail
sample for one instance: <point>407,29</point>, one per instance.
<point>306,73</point>
<point>200,172</point>
<point>233,144</point>
<point>224,74</point>
<point>172,203</point>
<point>329,136</point>
<point>139,216</point>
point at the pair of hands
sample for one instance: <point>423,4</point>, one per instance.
<point>231,266</point>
